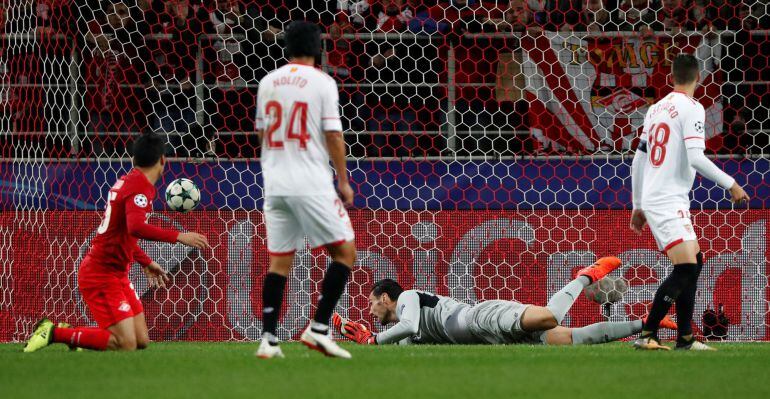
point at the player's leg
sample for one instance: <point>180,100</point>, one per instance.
<point>141,332</point>
<point>327,224</point>
<point>675,236</point>
<point>333,285</point>
<point>538,318</point>
<point>561,302</point>
<point>123,336</point>
<point>283,233</point>
<point>685,303</point>
<point>597,333</point>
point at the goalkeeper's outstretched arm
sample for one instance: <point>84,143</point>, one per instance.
<point>408,320</point>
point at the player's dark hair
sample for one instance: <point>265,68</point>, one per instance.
<point>387,286</point>
<point>302,39</point>
<point>148,149</point>
<point>684,69</point>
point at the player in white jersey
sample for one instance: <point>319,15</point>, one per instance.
<point>298,121</point>
<point>663,171</point>
<point>425,318</point>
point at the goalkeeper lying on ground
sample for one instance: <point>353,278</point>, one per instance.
<point>425,318</point>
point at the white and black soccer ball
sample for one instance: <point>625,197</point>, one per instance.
<point>182,195</point>
<point>607,290</point>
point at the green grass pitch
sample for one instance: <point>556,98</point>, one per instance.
<point>222,370</point>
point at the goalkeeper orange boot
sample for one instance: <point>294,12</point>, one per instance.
<point>667,322</point>
<point>600,268</point>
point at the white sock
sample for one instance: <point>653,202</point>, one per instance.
<point>319,327</point>
<point>561,302</point>
<point>270,338</point>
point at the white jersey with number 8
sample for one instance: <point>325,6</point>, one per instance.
<point>671,126</point>
<point>296,105</point>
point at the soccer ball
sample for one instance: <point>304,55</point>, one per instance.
<point>182,195</point>
<point>607,290</point>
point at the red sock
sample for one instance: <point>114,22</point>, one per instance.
<point>82,337</point>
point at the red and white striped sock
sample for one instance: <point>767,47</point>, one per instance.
<point>82,337</point>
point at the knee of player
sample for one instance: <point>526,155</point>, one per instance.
<point>125,343</point>
<point>142,344</point>
<point>548,320</point>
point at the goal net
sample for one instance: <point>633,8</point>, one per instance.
<point>489,146</point>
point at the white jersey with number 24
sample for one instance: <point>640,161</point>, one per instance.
<point>671,126</point>
<point>296,105</point>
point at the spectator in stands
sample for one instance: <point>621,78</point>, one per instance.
<point>394,16</point>
<point>637,16</point>
<point>518,17</point>
<point>678,15</point>
<point>235,29</point>
<point>173,72</point>
<point>563,14</point>
<point>392,62</point>
<point>115,77</point>
<point>595,18</point>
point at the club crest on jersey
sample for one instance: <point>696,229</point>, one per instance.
<point>140,200</point>
<point>124,307</point>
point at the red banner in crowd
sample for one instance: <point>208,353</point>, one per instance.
<point>592,91</point>
<point>470,255</point>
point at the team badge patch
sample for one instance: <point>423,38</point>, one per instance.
<point>140,200</point>
<point>699,127</point>
<point>124,307</point>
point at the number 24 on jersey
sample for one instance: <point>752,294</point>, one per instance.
<point>296,129</point>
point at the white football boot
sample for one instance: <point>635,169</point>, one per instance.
<point>695,346</point>
<point>323,343</point>
<point>267,351</point>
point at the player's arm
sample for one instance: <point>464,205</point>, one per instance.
<point>335,141</point>
<point>141,257</point>
<point>408,322</point>
<point>637,182</point>
<point>695,143</point>
<point>156,275</point>
<point>136,223</point>
<point>259,118</point>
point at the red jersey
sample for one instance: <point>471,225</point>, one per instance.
<point>114,247</point>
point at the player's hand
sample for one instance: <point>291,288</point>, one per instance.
<point>353,331</point>
<point>346,193</point>
<point>155,274</point>
<point>738,195</point>
<point>638,221</point>
<point>193,240</point>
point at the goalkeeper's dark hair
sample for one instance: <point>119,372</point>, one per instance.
<point>302,39</point>
<point>387,286</point>
<point>684,69</point>
<point>147,149</point>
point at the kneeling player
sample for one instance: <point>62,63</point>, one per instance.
<point>422,317</point>
<point>103,273</point>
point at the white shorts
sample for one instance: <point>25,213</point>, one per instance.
<point>670,226</point>
<point>323,219</point>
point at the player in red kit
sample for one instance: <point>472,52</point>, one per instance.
<point>103,274</point>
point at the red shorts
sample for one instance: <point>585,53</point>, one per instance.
<point>110,298</point>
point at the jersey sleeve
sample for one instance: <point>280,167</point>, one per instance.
<point>259,118</point>
<point>408,309</point>
<point>137,207</point>
<point>645,129</point>
<point>693,128</point>
<point>330,109</point>
<point>141,257</point>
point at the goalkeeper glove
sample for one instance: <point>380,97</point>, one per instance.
<point>354,331</point>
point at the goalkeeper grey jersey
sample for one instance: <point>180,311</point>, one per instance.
<point>424,318</point>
